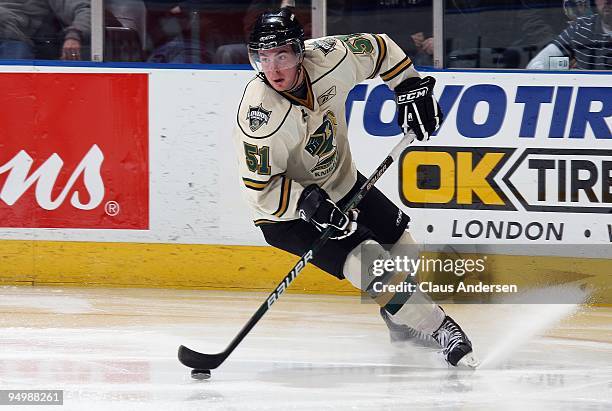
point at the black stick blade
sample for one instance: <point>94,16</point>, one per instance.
<point>194,359</point>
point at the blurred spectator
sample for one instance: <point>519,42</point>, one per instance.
<point>587,39</point>
<point>424,46</point>
<point>236,53</point>
<point>172,35</point>
<point>385,16</point>
<point>504,33</point>
<point>408,22</point>
<point>130,14</point>
<point>125,30</point>
<point>191,31</point>
<point>196,31</point>
<point>21,22</point>
<point>577,8</point>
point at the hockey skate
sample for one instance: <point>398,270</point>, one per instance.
<point>456,346</point>
<point>403,333</point>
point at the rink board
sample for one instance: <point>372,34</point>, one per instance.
<point>251,268</point>
<point>513,153</point>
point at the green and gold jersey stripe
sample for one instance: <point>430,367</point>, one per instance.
<point>283,203</point>
<point>396,70</point>
<point>382,53</point>
<point>255,184</point>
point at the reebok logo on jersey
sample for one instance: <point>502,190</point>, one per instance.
<point>258,116</point>
<point>328,95</point>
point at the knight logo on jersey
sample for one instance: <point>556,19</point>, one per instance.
<point>258,116</point>
<point>322,145</point>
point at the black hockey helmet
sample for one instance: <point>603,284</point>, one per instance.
<point>276,29</point>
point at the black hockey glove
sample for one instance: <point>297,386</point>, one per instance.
<point>316,207</point>
<point>417,108</point>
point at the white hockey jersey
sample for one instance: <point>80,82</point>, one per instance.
<point>285,143</point>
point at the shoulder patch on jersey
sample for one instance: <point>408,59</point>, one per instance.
<point>262,111</point>
<point>258,116</point>
<point>323,56</point>
<point>326,45</point>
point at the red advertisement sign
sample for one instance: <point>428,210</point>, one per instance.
<point>74,150</point>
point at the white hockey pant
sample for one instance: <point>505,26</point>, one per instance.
<point>416,309</point>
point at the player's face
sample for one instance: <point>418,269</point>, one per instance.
<point>604,8</point>
<point>280,65</point>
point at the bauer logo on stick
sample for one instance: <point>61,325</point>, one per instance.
<point>258,116</point>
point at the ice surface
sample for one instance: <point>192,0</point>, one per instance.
<point>116,349</point>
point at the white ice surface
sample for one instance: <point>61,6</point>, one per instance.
<point>116,349</point>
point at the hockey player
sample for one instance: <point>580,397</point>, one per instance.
<point>296,165</point>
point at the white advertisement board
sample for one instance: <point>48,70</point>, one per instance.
<point>521,158</point>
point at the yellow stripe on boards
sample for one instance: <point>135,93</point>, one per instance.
<point>198,266</point>
<point>250,268</point>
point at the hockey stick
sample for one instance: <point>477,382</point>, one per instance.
<point>207,362</point>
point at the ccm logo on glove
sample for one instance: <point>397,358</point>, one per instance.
<point>412,96</point>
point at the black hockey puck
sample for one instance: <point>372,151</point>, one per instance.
<point>200,374</point>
